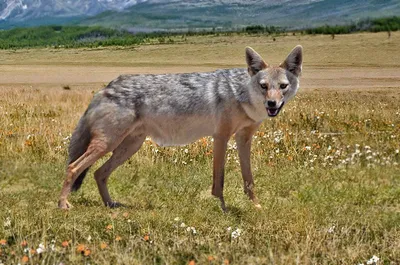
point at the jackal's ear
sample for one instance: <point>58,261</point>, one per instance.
<point>254,61</point>
<point>294,61</point>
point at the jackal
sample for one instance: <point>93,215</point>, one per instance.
<point>176,109</point>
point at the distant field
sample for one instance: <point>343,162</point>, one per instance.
<point>326,170</point>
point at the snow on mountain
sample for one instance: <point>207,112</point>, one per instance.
<point>33,9</point>
<point>9,6</point>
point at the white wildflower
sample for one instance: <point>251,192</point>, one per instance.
<point>233,146</point>
<point>186,150</point>
<point>176,219</point>
<point>373,260</point>
<point>229,229</point>
<point>236,233</point>
<point>89,238</point>
<point>40,249</point>
<point>308,148</point>
<point>191,229</point>
<point>7,222</point>
<point>183,225</point>
<point>331,229</point>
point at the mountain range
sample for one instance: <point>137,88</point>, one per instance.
<point>143,15</point>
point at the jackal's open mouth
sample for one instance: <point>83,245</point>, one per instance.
<point>272,112</point>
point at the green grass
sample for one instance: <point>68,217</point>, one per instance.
<point>326,173</point>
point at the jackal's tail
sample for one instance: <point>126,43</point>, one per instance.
<point>79,142</point>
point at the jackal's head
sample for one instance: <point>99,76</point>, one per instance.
<point>276,84</point>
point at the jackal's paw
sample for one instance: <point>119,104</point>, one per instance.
<point>223,208</point>
<point>64,205</point>
<point>114,204</point>
<point>258,206</point>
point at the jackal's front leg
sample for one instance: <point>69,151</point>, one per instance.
<point>220,144</point>
<point>243,141</point>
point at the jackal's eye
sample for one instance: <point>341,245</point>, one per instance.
<point>264,86</point>
<point>283,86</point>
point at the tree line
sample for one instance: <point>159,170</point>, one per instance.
<point>86,36</point>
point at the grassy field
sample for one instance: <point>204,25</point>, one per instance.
<point>326,169</point>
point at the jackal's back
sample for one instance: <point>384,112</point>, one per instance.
<point>176,94</point>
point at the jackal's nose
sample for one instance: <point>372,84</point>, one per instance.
<point>271,103</point>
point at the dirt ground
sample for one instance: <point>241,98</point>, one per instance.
<point>356,61</point>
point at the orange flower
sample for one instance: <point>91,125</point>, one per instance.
<point>210,258</point>
<point>146,238</point>
<point>25,259</point>
<point>125,214</point>
<point>114,215</point>
<point>87,252</point>
<point>64,244</point>
<point>204,141</point>
<point>109,227</point>
<point>80,248</point>
<point>226,261</point>
<point>103,246</point>
<point>118,238</point>
<point>192,262</point>
<point>3,242</point>
<point>24,243</point>
<point>33,252</point>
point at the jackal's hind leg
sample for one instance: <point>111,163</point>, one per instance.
<point>128,147</point>
<point>97,148</point>
<point>220,146</point>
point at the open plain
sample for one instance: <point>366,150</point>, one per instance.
<point>326,169</point>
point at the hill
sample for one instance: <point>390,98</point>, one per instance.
<point>151,15</point>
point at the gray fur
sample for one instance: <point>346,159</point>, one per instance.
<point>178,94</point>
